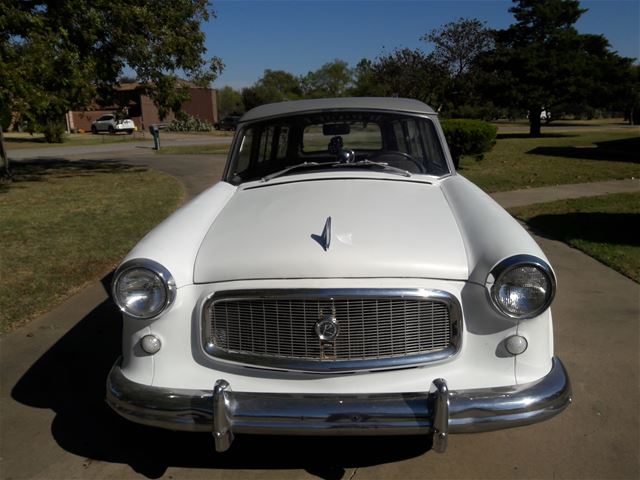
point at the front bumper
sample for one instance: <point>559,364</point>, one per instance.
<point>438,410</point>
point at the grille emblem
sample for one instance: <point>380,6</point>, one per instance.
<point>327,328</point>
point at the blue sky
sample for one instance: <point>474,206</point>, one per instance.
<point>301,35</point>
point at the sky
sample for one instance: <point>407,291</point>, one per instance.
<point>299,36</point>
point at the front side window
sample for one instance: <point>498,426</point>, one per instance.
<point>406,142</point>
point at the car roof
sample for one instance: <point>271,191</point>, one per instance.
<point>345,103</point>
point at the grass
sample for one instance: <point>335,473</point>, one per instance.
<point>563,123</point>
<point>19,141</point>
<point>518,161</point>
<point>601,227</point>
<point>64,224</point>
<point>210,149</point>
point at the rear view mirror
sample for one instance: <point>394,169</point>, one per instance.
<point>332,129</point>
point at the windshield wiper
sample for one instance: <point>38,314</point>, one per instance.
<point>359,163</point>
<point>367,163</point>
<point>266,178</point>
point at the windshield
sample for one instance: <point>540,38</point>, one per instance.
<point>405,142</point>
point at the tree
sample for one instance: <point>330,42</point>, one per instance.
<point>457,47</point>
<point>364,82</point>
<point>57,56</point>
<point>332,79</point>
<point>632,99</point>
<point>273,86</point>
<point>411,74</point>
<point>542,61</point>
<point>229,102</point>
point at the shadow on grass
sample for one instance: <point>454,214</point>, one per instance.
<point>70,380</point>
<point>520,135</point>
<point>623,150</point>
<point>43,169</point>
<point>28,139</point>
<point>606,228</point>
<point>570,123</point>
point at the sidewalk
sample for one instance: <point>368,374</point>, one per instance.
<point>519,198</point>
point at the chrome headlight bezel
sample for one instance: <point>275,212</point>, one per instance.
<point>160,272</point>
<point>499,271</point>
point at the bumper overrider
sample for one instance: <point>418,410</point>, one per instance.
<point>438,410</point>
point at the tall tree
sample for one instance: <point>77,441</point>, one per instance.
<point>332,79</point>
<point>59,55</point>
<point>541,61</point>
<point>273,86</point>
<point>456,49</point>
<point>364,82</point>
<point>411,74</point>
<point>229,102</point>
<point>458,44</point>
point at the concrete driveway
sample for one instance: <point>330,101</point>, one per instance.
<point>54,422</point>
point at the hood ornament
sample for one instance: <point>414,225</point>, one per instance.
<point>325,238</point>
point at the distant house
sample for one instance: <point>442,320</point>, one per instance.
<point>140,108</point>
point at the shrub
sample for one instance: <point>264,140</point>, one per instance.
<point>5,117</point>
<point>469,137</point>
<point>189,124</point>
<point>54,131</point>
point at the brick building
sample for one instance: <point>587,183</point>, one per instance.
<point>202,105</point>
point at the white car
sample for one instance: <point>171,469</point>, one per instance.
<point>110,123</point>
<point>341,279</point>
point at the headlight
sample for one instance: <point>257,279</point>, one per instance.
<point>143,288</point>
<point>523,286</point>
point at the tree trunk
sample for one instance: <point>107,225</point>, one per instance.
<point>534,122</point>
<point>4,160</point>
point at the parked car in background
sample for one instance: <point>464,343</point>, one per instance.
<point>227,123</point>
<point>341,279</point>
<point>110,123</point>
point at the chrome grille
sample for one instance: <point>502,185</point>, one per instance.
<point>279,328</point>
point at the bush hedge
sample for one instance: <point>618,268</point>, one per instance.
<point>189,124</point>
<point>54,131</point>
<point>469,137</point>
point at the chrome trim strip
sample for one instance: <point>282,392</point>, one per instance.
<point>343,366</point>
<point>510,263</point>
<point>228,412</point>
<point>155,267</point>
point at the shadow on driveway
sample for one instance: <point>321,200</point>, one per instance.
<point>70,380</point>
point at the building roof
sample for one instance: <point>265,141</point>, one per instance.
<point>347,103</point>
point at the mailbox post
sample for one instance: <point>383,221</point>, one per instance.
<point>154,129</point>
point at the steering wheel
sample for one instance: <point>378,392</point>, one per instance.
<point>380,155</point>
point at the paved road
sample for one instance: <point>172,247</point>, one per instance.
<point>55,424</point>
<point>142,147</point>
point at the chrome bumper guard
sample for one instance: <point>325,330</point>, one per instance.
<point>438,411</point>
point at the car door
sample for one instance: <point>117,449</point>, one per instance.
<point>103,122</point>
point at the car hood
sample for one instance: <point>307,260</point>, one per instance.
<point>379,228</point>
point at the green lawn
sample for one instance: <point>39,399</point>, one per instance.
<point>603,227</point>
<point>19,141</point>
<point>64,224</point>
<point>578,156</point>
<point>210,149</point>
